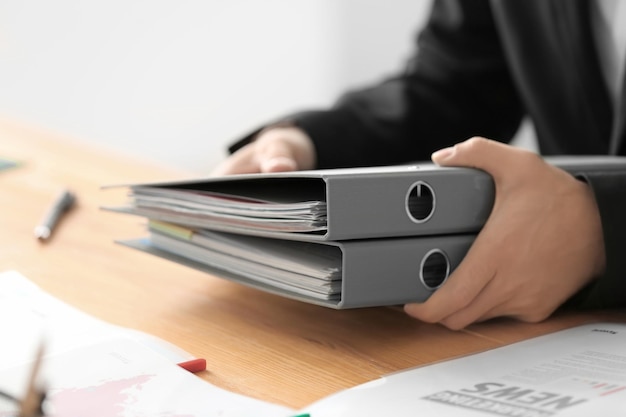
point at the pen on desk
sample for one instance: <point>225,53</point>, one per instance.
<point>61,205</point>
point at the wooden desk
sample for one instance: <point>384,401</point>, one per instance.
<point>256,344</point>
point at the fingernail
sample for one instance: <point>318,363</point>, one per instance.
<point>442,154</point>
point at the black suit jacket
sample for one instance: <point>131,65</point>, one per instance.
<point>479,68</point>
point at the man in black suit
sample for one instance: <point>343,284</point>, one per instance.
<point>479,68</point>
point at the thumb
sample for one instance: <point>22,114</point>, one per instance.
<point>493,157</point>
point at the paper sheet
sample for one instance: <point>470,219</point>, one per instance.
<point>579,372</point>
<point>99,370</point>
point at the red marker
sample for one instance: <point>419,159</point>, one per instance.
<point>194,365</point>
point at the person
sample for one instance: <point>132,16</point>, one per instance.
<point>553,239</point>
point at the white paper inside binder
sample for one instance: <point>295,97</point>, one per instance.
<point>300,267</point>
<point>205,208</point>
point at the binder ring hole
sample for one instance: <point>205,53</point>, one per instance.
<point>420,202</point>
<point>434,269</point>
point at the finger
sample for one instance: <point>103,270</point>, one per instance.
<point>261,156</point>
<point>275,156</point>
<point>276,152</point>
<point>493,157</point>
<point>483,307</point>
<point>241,162</point>
<point>278,164</point>
<point>480,311</point>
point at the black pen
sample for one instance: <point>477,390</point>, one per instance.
<point>61,205</point>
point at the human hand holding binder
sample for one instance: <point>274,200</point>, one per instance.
<point>275,149</point>
<point>540,245</point>
<point>393,234</point>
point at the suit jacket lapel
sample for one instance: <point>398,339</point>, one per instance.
<point>576,38</point>
<point>618,137</point>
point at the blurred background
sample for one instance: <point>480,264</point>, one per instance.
<point>176,81</point>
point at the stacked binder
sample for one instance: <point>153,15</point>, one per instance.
<point>340,238</point>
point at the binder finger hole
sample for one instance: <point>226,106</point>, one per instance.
<point>420,202</point>
<point>434,269</point>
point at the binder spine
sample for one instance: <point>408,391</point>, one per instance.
<point>398,271</point>
<point>417,203</point>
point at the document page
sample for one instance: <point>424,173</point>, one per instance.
<point>92,368</point>
<point>579,372</point>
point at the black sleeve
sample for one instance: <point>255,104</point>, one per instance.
<point>455,86</point>
<point>609,291</point>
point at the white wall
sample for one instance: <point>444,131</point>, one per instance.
<point>175,80</point>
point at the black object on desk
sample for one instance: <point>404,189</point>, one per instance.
<point>61,205</point>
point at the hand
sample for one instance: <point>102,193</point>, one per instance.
<point>541,244</point>
<point>275,149</point>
